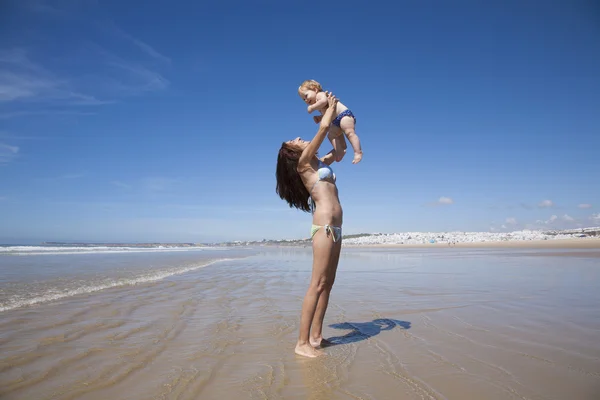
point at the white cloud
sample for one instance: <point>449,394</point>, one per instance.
<point>442,201</point>
<point>546,204</point>
<point>511,221</point>
<point>595,218</point>
<point>556,222</point>
<point>584,206</point>
<point>445,200</point>
<point>7,153</point>
<point>555,218</point>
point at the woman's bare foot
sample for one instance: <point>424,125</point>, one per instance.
<point>357,158</point>
<point>307,350</point>
<point>320,342</point>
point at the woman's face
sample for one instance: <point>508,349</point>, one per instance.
<point>299,143</point>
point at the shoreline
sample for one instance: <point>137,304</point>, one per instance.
<point>524,244</point>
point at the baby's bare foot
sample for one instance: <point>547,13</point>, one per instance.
<point>307,350</point>
<point>357,158</point>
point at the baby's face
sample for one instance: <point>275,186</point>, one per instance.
<point>307,95</point>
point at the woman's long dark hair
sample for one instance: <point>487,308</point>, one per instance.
<point>289,184</point>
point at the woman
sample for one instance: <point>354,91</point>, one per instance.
<point>308,183</point>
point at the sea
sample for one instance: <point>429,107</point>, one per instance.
<point>31,274</point>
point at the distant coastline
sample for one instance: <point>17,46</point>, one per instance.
<point>457,238</point>
<point>461,239</point>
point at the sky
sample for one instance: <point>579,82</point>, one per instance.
<point>161,121</point>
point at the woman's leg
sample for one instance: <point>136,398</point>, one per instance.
<point>316,330</point>
<point>323,248</point>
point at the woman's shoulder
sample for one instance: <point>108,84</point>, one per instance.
<point>309,167</point>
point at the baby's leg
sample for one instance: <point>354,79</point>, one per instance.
<point>347,125</point>
<point>338,142</point>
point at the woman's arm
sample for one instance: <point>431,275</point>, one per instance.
<point>312,148</point>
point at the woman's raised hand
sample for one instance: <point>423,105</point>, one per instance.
<point>329,113</point>
<point>331,100</point>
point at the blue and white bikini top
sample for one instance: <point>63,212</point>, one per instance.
<point>325,173</point>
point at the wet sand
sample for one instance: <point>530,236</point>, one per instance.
<point>406,324</point>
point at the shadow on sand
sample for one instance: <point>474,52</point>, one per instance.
<point>364,330</point>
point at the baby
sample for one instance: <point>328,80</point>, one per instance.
<point>312,94</point>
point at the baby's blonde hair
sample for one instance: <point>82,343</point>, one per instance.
<point>311,85</point>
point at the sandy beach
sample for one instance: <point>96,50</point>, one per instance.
<point>584,243</point>
<point>438,323</point>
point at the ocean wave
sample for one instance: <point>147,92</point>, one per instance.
<point>38,250</point>
<point>56,293</point>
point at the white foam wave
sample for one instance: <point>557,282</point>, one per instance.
<point>38,250</point>
<point>54,294</point>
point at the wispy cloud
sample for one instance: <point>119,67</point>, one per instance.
<point>11,136</point>
<point>155,184</point>
<point>107,74</point>
<point>554,222</point>
<point>138,79</point>
<point>442,201</point>
<point>58,8</point>
<point>64,177</point>
<point>546,204</point>
<point>143,46</point>
<point>445,200</point>
<point>23,80</point>
<point>584,206</point>
<point>53,112</point>
<point>8,153</point>
<point>159,184</point>
<point>555,218</point>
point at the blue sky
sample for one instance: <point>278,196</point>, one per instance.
<point>161,121</point>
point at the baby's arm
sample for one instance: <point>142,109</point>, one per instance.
<point>329,157</point>
<point>319,104</point>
